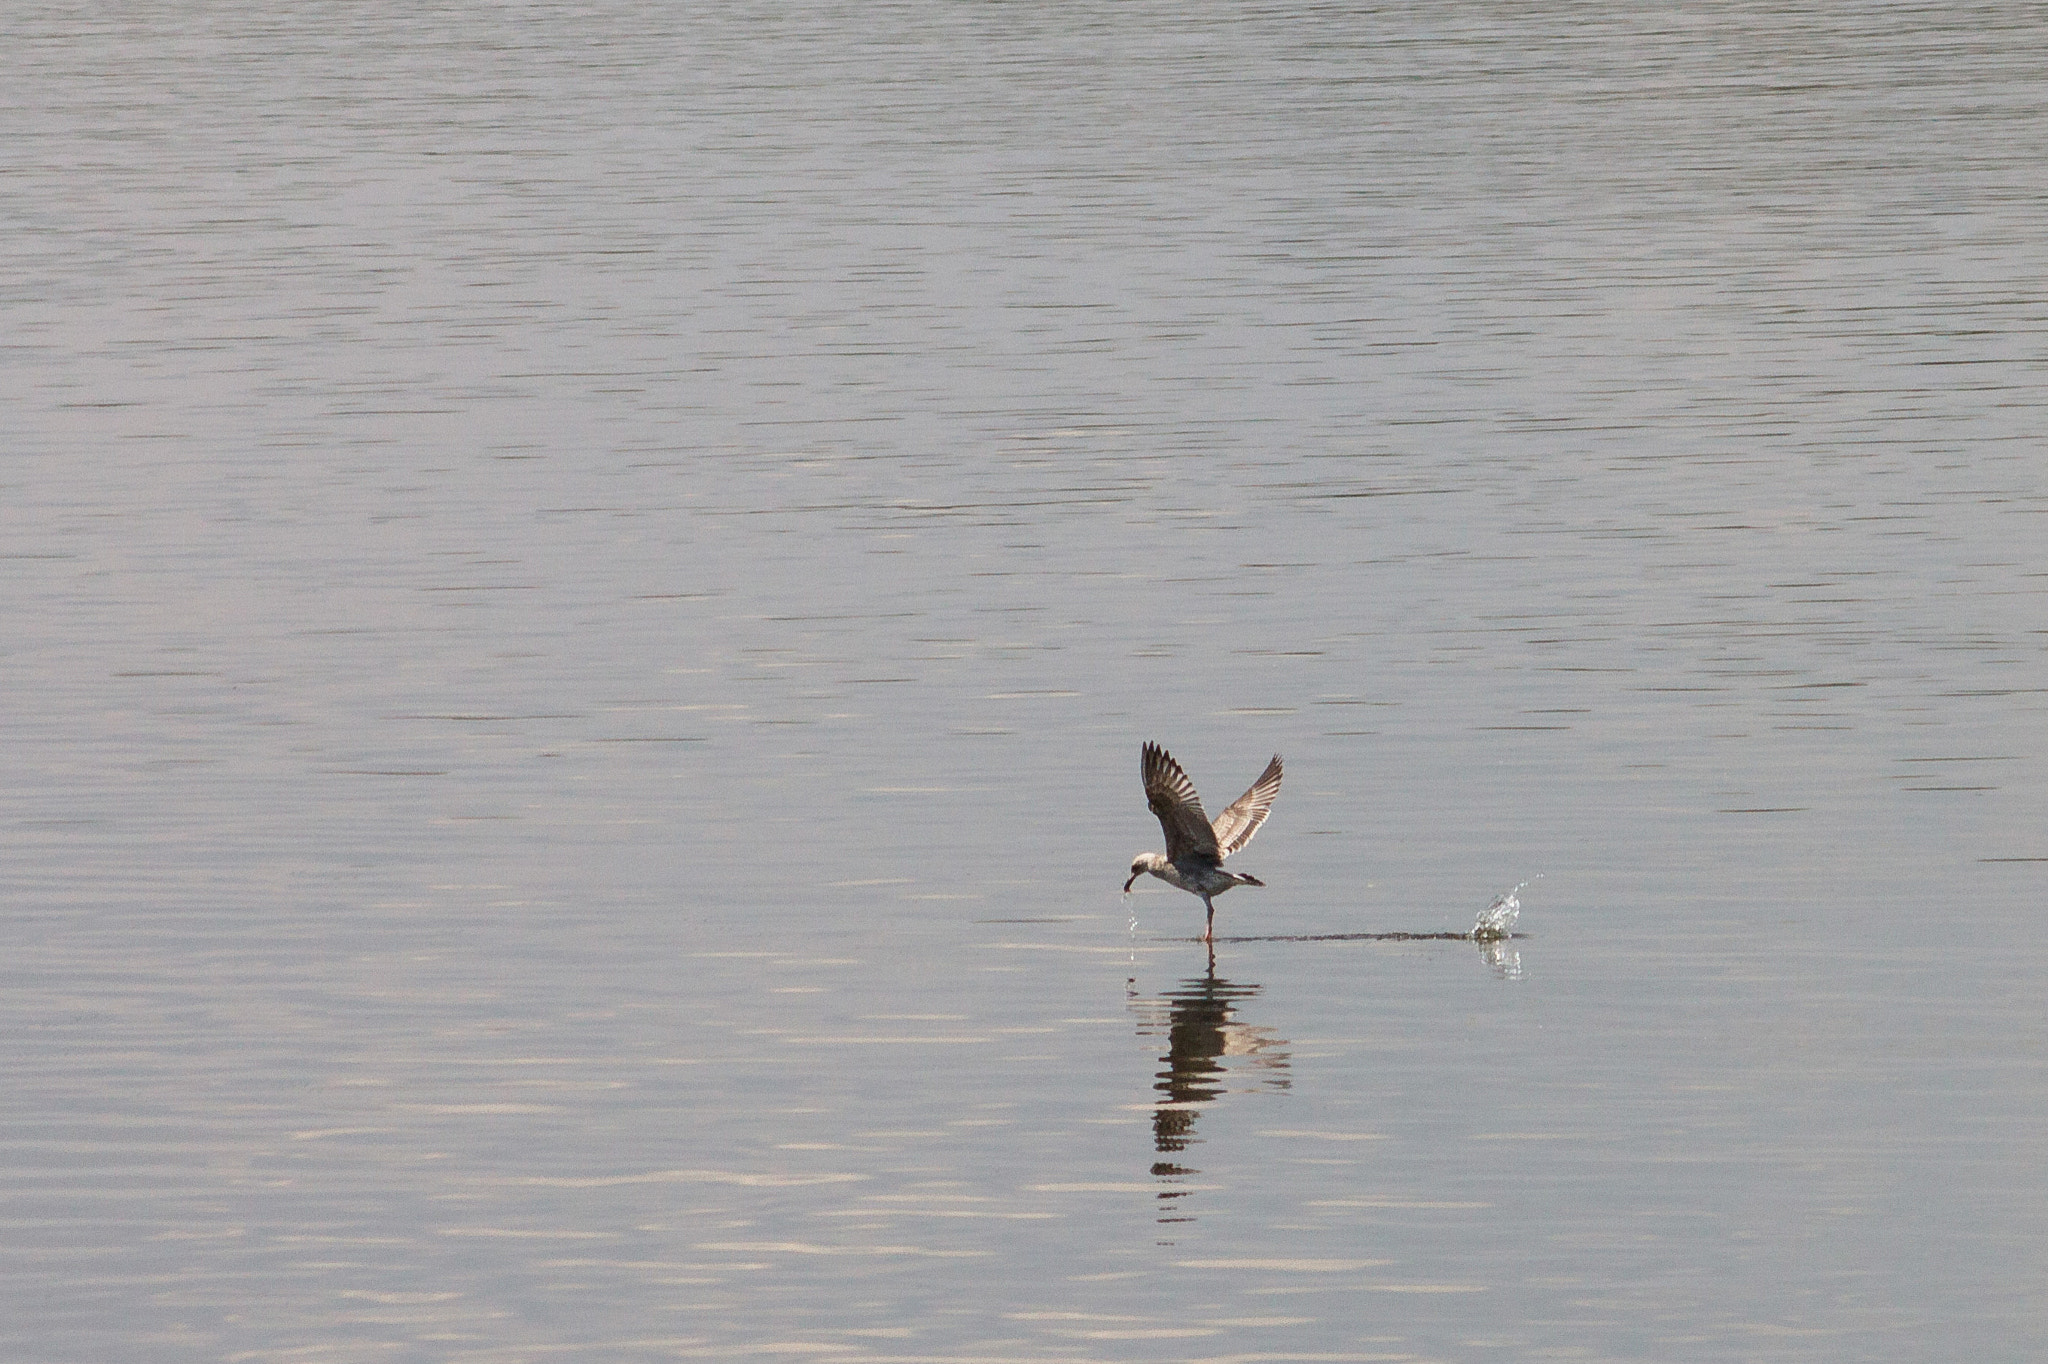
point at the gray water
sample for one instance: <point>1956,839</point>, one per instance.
<point>583,584</point>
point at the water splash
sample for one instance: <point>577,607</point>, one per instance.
<point>1497,920</point>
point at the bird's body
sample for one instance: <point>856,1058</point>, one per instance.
<point>1195,848</point>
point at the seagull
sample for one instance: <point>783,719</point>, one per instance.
<point>1195,848</point>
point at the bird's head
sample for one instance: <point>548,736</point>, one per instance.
<point>1142,863</point>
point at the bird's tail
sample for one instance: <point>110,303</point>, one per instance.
<point>1244,880</point>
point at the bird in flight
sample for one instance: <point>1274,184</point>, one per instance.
<point>1195,848</point>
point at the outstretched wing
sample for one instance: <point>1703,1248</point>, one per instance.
<point>1172,797</point>
<point>1236,825</point>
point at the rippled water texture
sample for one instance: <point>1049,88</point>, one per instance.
<point>580,587</point>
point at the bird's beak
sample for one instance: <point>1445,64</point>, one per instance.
<point>1132,882</point>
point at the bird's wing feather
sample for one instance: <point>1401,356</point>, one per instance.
<point>1172,797</point>
<point>1236,825</point>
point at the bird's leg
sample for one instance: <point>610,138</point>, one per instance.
<point>1209,929</point>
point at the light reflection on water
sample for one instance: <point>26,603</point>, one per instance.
<point>1503,957</point>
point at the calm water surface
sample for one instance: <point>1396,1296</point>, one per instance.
<point>582,586</point>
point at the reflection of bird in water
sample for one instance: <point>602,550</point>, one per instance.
<point>1195,848</point>
<point>1201,1031</point>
